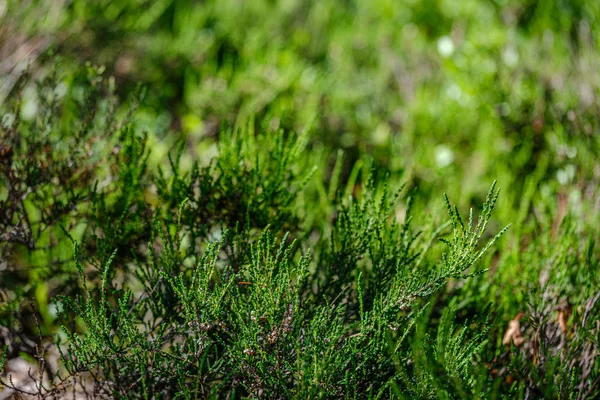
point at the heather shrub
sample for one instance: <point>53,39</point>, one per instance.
<point>299,200</point>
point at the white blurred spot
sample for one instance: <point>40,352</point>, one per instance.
<point>566,174</point>
<point>53,310</point>
<point>454,92</point>
<point>60,90</point>
<point>30,104</point>
<point>7,120</point>
<point>510,56</point>
<point>445,46</point>
<point>443,156</point>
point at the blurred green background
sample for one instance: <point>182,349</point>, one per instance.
<point>455,94</point>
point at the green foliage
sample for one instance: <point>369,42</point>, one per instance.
<point>206,307</point>
<point>243,186</point>
<point>202,325</point>
<point>444,366</point>
<point>244,199</point>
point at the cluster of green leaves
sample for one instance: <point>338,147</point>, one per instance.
<point>218,253</point>
<point>191,283</point>
<point>204,325</point>
<point>549,284</point>
<point>50,161</point>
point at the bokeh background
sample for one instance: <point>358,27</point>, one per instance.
<point>453,94</point>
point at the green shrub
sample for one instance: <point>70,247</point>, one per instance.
<point>246,199</point>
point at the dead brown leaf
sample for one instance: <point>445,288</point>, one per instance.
<point>562,318</point>
<point>514,332</point>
